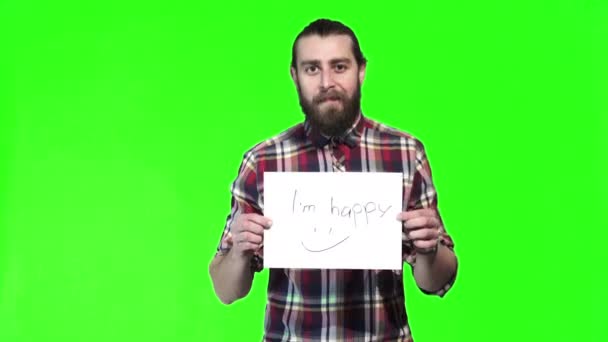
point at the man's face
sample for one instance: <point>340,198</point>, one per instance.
<point>328,81</point>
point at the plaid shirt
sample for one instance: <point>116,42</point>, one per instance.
<point>336,305</point>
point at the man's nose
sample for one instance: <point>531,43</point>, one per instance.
<point>327,79</point>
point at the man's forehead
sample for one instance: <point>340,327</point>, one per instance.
<point>315,47</point>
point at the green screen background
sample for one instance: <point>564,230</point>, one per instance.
<point>123,124</point>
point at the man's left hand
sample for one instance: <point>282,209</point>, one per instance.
<point>422,227</point>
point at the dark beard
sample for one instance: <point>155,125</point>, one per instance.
<point>333,122</point>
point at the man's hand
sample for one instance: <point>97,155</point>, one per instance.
<point>422,227</point>
<point>247,233</point>
<point>232,274</point>
<point>436,264</point>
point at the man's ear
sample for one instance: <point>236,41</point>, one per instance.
<point>362,72</point>
<point>294,75</point>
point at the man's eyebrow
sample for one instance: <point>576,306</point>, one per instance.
<point>331,61</point>
<point>311,62</point>
<point>340,60</point>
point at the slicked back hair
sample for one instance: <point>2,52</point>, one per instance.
<point>324,28</point>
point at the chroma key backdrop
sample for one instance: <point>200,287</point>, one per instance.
<point>123,124</point>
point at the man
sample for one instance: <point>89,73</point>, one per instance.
<point>328,69</point>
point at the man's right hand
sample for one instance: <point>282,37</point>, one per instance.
<point>232,274</point>
<point>247,233</point>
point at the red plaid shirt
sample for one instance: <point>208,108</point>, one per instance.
<point>336,305</point>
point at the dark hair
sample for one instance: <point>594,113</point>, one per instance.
<point>324,28</point>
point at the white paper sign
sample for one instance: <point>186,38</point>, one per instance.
<point>341,220</point>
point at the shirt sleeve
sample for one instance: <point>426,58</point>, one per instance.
<point>420,193</point>
<point>246,199</point>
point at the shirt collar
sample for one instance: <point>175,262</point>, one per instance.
<point>351,137</point>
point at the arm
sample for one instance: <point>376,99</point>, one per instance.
<point>231,271</point>
<point>231,275</point>
<point>436,263</point>
<point>433,271</point>
<point>230,268</point>
<point>430,248</point>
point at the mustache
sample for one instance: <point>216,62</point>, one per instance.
<point>328,95</point>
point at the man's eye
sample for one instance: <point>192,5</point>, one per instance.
<point>311,69</point>
<point>340,67</point>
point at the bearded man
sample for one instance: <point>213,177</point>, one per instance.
<point>328,69</point>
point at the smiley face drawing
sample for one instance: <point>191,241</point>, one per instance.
<point>320,239</point>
